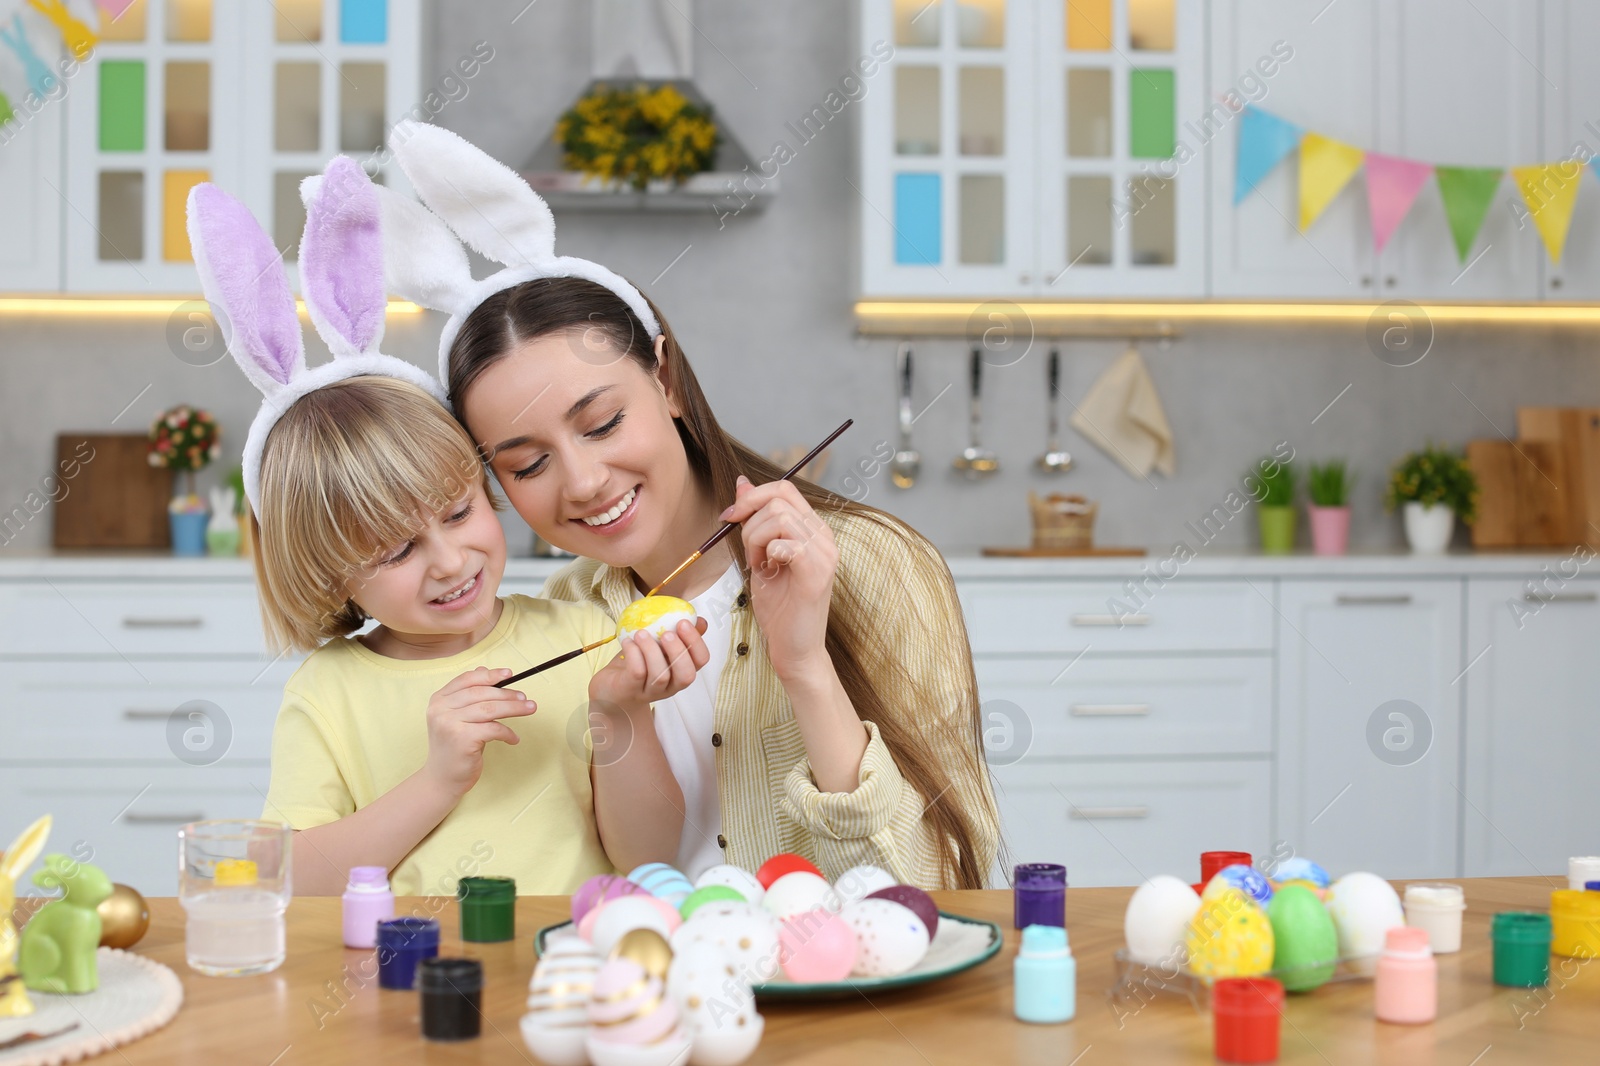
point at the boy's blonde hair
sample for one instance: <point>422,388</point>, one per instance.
<point>350,471</point>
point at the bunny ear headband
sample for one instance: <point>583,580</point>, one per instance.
<point>494,212</point>
<point>341,270</point>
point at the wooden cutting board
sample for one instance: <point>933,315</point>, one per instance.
<point>116,499</point>
<point>1575,433</point>
<point>1493,462</point>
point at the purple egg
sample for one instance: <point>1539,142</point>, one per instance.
<point>915,900</point>
<point>598,890</point>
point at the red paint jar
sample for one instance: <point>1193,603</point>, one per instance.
<point>1212,861</point>
<point>1246,1012</point>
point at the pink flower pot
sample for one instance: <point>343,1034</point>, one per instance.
<point>1330,529</point>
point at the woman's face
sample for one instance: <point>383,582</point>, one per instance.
<point>582,441</point>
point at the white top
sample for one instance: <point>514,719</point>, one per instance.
<point>685,723</point>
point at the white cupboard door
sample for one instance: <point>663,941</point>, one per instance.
<point>1532,731</point>
<point>1324,78</point>
<point>1572,131</point>
<point>1369,733</point>
<point>31,189</point>
<point>1460,84</point>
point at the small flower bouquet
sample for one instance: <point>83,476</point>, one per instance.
<point>185,439</point>
<point>638,134</point>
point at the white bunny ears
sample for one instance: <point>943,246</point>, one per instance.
<point>341,270</point>
<point>494,212</point>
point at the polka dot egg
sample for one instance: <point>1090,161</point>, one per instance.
<point>890,938</point>
<point>746,933</point>
<point>1229,936</point>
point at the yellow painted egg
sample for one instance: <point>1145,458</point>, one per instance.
<point>1229,936</point>
<point>656,615</point>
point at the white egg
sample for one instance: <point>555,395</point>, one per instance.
<point>859,882</point>
<point>716,1004</point>
<point>557,1021</point>
<point>1364,907</point>
<point>624,915</point>
<point>740,880</point>
<point>747,934</point>
<point>670,1050</point>
<point>798,892</point>
<point>1157,921</point>
<point>890,938</point>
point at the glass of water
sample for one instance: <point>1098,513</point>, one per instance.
<point>234,884</point>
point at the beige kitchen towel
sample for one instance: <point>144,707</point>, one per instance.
<point>1123,417</point>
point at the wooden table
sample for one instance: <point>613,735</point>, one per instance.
<point>324,1005</point>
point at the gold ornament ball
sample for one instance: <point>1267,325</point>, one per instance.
<point>646,947</point>
<point>124,917</point>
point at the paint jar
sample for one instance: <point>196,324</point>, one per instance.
<point>1046,976</point>
<point>488,909</point>
<point>1213,861</point>
<point>366,902</point>
<point>402,943</point>
<point>1039,894</point>
<point>452,998</point>
<point>1245,1013</point>
<point>1437,909</point>
<point>1521,948</point>
<point>1575,923</point>
<point>1581,870</point>
<point>1407,983</point>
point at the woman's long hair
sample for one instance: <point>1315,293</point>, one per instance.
<point>555,305</point>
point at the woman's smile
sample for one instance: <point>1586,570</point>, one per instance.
<point>614,518</point>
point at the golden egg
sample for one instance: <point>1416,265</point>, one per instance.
<point>124,917</point>
<point>646,947</point>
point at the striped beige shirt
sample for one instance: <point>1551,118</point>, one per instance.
<point>769,801</point>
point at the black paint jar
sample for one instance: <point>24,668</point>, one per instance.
<point>452,998</point>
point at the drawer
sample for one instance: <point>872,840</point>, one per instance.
<point>111,619</point>
<point>1005,617</point>
<point>125,820</point>
<point>1119,823</point>
<point>1219,705</point>
<point>194,713</point>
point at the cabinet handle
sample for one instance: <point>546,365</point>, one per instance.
<point>134,622</point>
<point>1084,814</point>
<point>164,818</point>
<point>1555,283</point>
<point>1111,620</point>
<point>146,714</point>
<point>1366,281</point>
<point>1400,600</point>
<point>1109,710</point>
<point>1562,597</point>
<point>1390,282</point>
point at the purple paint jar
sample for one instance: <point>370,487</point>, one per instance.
<point>402,943</point>
<point>1039,894</point>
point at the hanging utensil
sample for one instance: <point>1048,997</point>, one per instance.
<point>975,461</point>
<point>1054,460</point>
<point>907,460</point>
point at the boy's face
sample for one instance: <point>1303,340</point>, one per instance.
<point>443,581</point>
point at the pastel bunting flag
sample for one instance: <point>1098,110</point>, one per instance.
<point>1467,193</point>
<point>1550,190</point>
<point>79,38</point>
<point>1264,139</point>
<point>1326,167</point>
<point>6,113</point>
<point>42,81</point>
<point>1392,187</point>
<point>113,8</point>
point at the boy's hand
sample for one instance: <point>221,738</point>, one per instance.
<point>648,669</point>
<point>463,717</point>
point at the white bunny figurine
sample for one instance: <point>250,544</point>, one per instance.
<point>222,532</point>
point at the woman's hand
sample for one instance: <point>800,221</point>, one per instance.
<point>792,560</point>
<point>648,669</point>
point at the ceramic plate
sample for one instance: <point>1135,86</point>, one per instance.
<point>960,944</point>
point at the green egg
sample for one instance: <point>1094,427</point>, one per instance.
<point>710,894</point>
<point>1307,944</point>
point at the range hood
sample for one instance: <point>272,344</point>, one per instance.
<point>650,41</point>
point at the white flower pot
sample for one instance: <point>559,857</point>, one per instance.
<point>1428,527</point>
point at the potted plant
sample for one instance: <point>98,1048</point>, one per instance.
<point>1329,509</point>
<point>1433,488</point>
<point>185,439</point>
<point>1276,506</point>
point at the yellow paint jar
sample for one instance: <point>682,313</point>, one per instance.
<point>1575,923</point>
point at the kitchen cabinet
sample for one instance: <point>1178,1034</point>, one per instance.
<point>1369,733</point>
<point>1531,792</point>
<point>1571,87</point>
<point>31,187</point>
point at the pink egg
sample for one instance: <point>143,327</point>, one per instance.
<point>917,901</point>
<point>622,990</point>
<point>816,947</point>
<point>597,890</point>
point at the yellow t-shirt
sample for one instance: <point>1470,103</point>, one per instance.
<point>353,725</point>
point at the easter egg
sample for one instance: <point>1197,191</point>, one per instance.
<point>709,894</point>
<point>784,863</point>
<point>624,915</point>
<point>746,933</point>
<point>859,882</point>
<point>740,880</point>
<point>800,891</point>
<point>558,1002</point>
<point>656,615</point>
<point>890,938</point>
<point>662,881</point>
<point>630,1007</point>
<point>1229,936</point>
<point>920,903</point>
<point>717,1007</point>
<point>816,946</point>
<point>598,890</point>
<point>1157,920</point>
<point>1305,942</point>
<point>646,947</point>
<point>1246,879</point>
<point>1364,907</point>
<point>1296,868</point>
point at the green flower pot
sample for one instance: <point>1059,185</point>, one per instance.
<point>1277,529</point>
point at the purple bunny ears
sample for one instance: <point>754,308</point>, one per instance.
<point>341,263</point>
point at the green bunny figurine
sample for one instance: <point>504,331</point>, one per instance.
<point>59,942</point>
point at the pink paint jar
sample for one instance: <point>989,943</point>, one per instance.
<point>1407,984</point>
<point>367,901</point>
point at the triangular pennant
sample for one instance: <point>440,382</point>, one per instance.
<point>1467,193</point>
<point>79,38</point>
<point>1264,140</point>
<point>1550,190</point>
<point>6,113</point>
<point>1392,187</point>
<point>114,8</point>
<point>1326,166</point>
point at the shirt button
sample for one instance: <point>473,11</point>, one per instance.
<point>722,842</point>
<point>716,740</point>
<point>743,648</point>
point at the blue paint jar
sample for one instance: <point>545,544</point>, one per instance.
<point>1046,976</point>
<point>402,943</point>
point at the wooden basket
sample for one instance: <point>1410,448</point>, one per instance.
<point>1062,521</point>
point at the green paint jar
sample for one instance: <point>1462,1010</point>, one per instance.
<point>1521,948</point>
<point>488,908</point>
